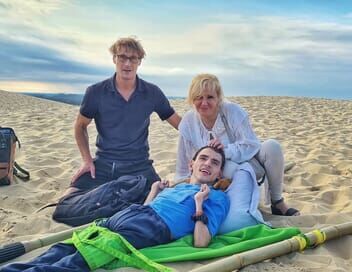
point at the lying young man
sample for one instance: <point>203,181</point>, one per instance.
<point>167,214</point>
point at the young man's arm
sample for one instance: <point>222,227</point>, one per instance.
<point>201,234</point>
<point>82,140</point>
<point>156,188</point>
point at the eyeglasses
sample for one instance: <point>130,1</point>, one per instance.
<point>123,58</point>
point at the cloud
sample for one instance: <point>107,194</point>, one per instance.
<point>54,41</point>
<point>30,62</point>
<point>244,45</point>
<point>227,43</point>
<point>30,8</point>
<point>261,55</point>
<point>44,23</point>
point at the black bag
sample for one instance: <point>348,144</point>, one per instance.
<point>82,207</point>
<point>8,166</point>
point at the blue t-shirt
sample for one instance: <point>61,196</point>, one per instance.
<point>176,207</point>
<point>123,125</point>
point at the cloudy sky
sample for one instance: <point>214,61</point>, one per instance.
<point>296,48</point>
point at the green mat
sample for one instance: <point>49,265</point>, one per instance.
<point>103,248</point>
<point>221,245</point>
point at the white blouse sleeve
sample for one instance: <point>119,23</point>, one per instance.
<point>246,144</point>
<point>184,156</point>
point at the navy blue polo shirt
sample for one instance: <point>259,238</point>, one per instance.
<point>123,125</point>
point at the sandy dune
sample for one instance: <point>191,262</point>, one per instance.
<point>315,133</point>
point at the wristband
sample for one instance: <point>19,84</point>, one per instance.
<point>203,218</point>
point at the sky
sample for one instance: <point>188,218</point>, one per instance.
<point>286,48</point>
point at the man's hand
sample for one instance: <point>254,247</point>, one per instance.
<point>202,194</point>
<point>216,144</point>
<point>158,186</point>
<point>85,167</point>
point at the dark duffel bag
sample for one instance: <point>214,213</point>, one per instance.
<point>82,207</point>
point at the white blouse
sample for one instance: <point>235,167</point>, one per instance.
<point>194,135</point>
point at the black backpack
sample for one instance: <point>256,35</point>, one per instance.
<point>8,166</point>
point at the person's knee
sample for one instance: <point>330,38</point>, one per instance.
<point>237,220</point>
<point>242,175</point>
<point>241,186</point>
<point>271,148</point>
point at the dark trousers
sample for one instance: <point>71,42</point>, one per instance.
<point>58,258</point>
<point>139,225</point>
<point>106,171</point>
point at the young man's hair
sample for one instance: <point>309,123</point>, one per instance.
<point>217,150</point>
<point>130,43</point>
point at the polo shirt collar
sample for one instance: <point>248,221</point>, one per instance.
<point>138,84</point>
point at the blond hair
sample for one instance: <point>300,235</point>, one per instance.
<point>200,83</point>
<point>130,43</point>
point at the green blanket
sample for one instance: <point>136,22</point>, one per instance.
<point>103,248</point>
<point>221,245</point>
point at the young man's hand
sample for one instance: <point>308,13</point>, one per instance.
<point>158,186</point>
<point>202,194</point>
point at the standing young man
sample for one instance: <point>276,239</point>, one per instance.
<point>121,107</point>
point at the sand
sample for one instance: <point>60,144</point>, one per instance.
<point>315,135</point>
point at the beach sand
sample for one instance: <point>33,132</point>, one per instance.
<point>315,134</point>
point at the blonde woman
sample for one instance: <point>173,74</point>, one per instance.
<point>226,125</point>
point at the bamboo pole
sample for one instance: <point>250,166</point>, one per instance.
<point>240,260</point>
<point>11,251</point>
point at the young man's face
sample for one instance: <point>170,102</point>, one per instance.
<point>126,62</point>
<point>206,167</point>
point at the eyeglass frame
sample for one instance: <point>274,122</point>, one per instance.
<point>125,58</point>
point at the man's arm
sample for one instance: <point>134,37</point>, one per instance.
<point>201,234</point>
<point>156,188</point>
<point>174,120</point>
<point>82,140</point>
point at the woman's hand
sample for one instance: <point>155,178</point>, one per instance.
<point>216,144</point>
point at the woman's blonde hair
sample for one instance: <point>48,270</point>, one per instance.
<point>200,83</point>
<point>130,43</point>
